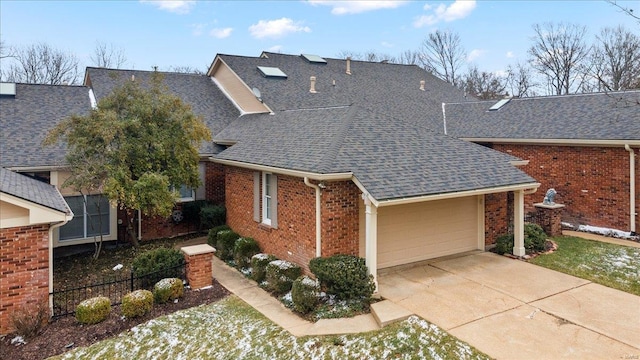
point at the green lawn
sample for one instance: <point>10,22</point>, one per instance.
<point>231,329</point>
<point>611,265</point>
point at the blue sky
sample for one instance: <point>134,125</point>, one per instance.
<point>191,33</point>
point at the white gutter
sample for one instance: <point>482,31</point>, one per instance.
<point>295,173</point>
<point>444,118</point>
<point>632,187</point>
<point>67,218</point>
<point>527,187</point>
<point>573,142</point>
<point>318,217</point>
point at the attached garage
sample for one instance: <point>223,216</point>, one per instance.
<point>419,231</point>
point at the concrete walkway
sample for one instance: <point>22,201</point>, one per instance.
<point>510,309</point>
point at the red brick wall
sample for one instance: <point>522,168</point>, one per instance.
<point>295,238</point>
<point>214,182</point>
<point>340,218</point>
<point>496,216</point>
<point>24,269</point>
<point>593,182</point>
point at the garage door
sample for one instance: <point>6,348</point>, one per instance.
<point>414,232</point>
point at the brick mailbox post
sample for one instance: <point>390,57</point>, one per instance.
<point>198,258</point>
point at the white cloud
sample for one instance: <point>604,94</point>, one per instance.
<point>175,6</point>
<point>474,54</point>
<point>386,44</point>
<point>501,73</point>
<point>356,6</point>
<point>221,33</point>
<point>276,28</point>
<point>510,54</point>
<point>275,49</point>
<point>458,10</point>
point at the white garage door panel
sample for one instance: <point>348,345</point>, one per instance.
<point>414,232</point>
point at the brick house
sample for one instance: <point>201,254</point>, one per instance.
<point>584,146</point>
<point>317,156</point>
<point>30,210</point>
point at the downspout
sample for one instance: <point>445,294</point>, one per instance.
<point>67,218</point>
<point>632,188</point>
<point>139,225</point>
<point>318,217</point>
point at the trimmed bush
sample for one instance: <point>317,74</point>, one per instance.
<point>212,238</point>
<point>191,211</point>
<point>161,263</point>
<point>243,250</point>
<point>504,244</point>
<point>259,264</point>
<point>29,319</point>
<point>94,310</point>
<point>280,275</point>
<point>344,276</point>
<point>137,303</point>
<point>167,289</point>
<point>212,216</point>
<point>226,242</point>
<point>534,240</point>
<point>304,293</point>
<point>534,237</point>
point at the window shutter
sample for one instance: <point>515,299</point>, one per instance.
<point>274,201</point>
<point>256,196</point>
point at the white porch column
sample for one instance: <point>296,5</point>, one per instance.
<point>518,223</point>
<point>371,238</point>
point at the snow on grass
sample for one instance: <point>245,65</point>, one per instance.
<point>606,231</point>
<point>230,329</point>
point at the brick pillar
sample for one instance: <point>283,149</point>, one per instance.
<point>198,258</point>
<point>550,218</point>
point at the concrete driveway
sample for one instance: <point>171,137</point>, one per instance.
<point>510,309</point>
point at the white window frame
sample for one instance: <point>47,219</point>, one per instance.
<point>184,199</point>
<point>267,204</point>
<point>85,219</point>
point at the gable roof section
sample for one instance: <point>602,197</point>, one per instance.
<point>594,117</point>
<point>388,89</point>
<point>34,191</point>
<point>199,91</point>
<point>27,118</point>
<point>392,158</point>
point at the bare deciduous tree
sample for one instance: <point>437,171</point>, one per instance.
<point>407,57</point>
<point>616,59</point>
<point>559,53</point>
<point>520,81</point>
<point>186,70</point>
<point>108,56</point>
<point>442,54</point>
<point>483,85</point>
<point>42,64</point>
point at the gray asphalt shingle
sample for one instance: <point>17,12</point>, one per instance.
<point>599,116</point>
<point>35,191</point>
<point>27,118</point>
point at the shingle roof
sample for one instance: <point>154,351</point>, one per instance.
<point>35,191</point>
<point>27,118</point>
<point>390,89</point>
<point>599,116</point>
<point>392,158</point>
<point>199,91</point>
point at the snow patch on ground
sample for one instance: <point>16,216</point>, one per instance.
<point>605,231</point>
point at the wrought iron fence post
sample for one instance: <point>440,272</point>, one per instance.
<point>131,279</point>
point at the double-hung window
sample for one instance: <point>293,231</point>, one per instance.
<point>265,199</point>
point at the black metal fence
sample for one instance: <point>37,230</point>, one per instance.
<point>114,287</point>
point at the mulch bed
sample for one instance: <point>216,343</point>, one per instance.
<point>66,333</point>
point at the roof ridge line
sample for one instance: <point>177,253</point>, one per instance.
<point>338,141</point>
